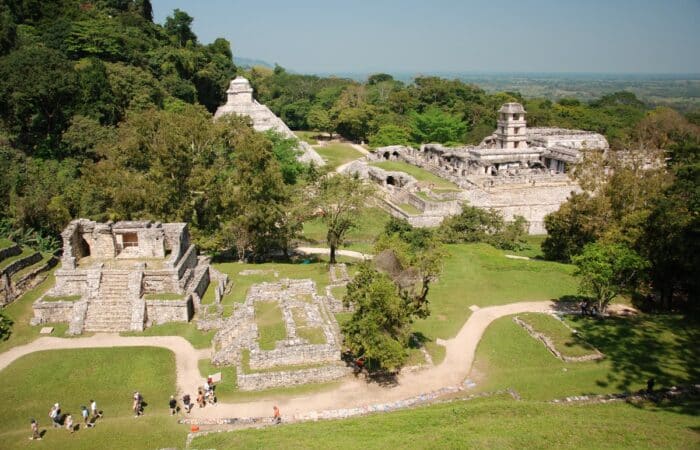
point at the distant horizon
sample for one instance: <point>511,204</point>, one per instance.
<point>450,36</point>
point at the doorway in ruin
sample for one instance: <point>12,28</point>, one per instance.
<point>386,156</point>
<point>390,181</point>
<point>130,240</point>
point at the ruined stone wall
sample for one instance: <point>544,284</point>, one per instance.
<point>51,312</point>
<point>188,261</point>
<point>163,311</point>
<point>12,250</point>
<point>177,240</point>
<point>155,281</point>
<point>260,381</point>
<point>293,355</point>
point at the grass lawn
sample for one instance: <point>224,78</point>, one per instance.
<point>310,137</point>
<point>484,423</point>
<point>360,238</point>
<point>271,328</point>
<point>164,296</point>
<point>4,243</point>
<point>198,339</point>
<point>72,377</point>
<point>419,174</point>
<point>336,155</point>
<point>663,347</point>
<point>532,247</point>
<point>565,341</point>
<point>209,297</point>
<point>478,274</point>
<point>410,209</point>
<point>316,271</point>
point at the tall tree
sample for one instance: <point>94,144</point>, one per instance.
<point>339,201</point>
<point>179,27</point>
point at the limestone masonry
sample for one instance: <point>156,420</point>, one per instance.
<point>109,270</point>
<point>241,102</point>
<point>516,170</point>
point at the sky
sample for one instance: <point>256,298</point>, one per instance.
<point>364,36</point>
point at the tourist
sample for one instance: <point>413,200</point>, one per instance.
<point>69,423</point>
<point>95,412</point>
<point>86,416</point>
<point>55,415</point>
<point>35,430</point>
<point>138,403</point>
<point>276,415</point>
<point>200,399</point>
<point>584,307</point>
<point>173,405</point>
<point>187,402</point>
<point>136,408</point>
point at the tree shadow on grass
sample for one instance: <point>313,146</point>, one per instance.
<point>663,347</point>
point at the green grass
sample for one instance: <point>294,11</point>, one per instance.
<point>314,335</point>
<point>339,292</point>
<point>164,296</point>
<point>360,238</point>
<point>20,312</point>
<point>228,384</point>
<point>7,261</point>
<point>532,247</point>
<point>410,209</point>
<point>484,423</point>
<point>198,339</point>
<point>64,298</point>
<point>663,347</point>
<point>419,174</point>
<point>336,155</point>
<point>565,341</point>
<point>271,328</point>
<point>72,377</point>
<point>5,243</point>
<point>209,297</point>
<point>310,137</point>
<point>478,274</point>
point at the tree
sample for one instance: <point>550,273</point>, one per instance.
<point>38,88</point>
<point>8,30</point>
<point>318,119</point>
<point>339,201</point>
<point>5,326</point>
<point>378,329</point>
<point>179,27</point>
<point>607,270</point>
<point>390,135</point>
<point>437,126</point>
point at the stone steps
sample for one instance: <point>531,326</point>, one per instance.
<point>108,316</point>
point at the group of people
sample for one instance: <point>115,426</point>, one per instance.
<point>59,420</point>
<point>137,404</point>
<point>587,309</point>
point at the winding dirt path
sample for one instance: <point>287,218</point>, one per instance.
<point>459,357</point>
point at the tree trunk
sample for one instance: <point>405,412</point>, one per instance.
<point>332,254</point>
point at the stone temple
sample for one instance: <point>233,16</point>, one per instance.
<point>124,276</point>
<point>517,170</point>
<point>241,102</point>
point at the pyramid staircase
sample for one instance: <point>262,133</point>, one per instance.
<point>111,310</point>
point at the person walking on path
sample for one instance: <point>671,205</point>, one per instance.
<point>173,405</point>
<point>187,401</point>
<point>95,412</point>
<point>55,415</point>
<point>35,430</point>
<point>86,416</point>
<point>276,417</point>
<point>69,423</point>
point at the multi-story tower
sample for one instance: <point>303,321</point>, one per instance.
<point>511,132</point>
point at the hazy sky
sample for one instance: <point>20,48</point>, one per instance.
<point>308,36</point>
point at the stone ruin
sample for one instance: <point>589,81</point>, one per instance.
<point>109,269</point>
<point>240,102</point>
<point>517,171</point>
<point>301,306</point>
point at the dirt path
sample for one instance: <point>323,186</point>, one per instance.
<point>327,251</point>
<point>460,352</point>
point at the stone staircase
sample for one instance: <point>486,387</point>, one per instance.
<point>111,310</point>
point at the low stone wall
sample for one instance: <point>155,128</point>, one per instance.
<point>293,355</point>
<point>188,261</point>
<point>50,312</point>
<point>594,355</point>
<point>163,311</point>
<point>11,290</point>
<point>155,281</point>
<point>12,250</point>
<point>269,380</point>
<point>20,264</point>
